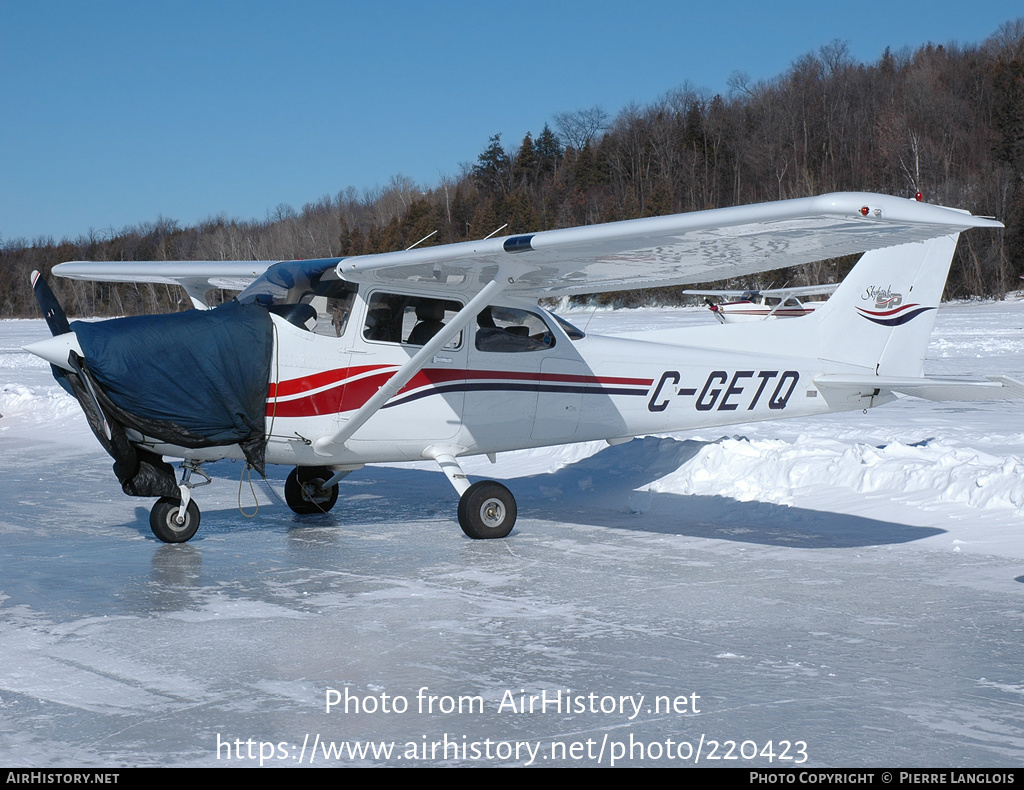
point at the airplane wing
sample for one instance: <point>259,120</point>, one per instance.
<point>196,277</point>
<point>642,253</point>
<point>672,250</point>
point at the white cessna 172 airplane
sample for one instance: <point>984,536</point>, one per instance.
<point>759,304</point>
<point>443,352</point>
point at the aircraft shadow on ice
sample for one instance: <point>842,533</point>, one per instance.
<point>605,489</point>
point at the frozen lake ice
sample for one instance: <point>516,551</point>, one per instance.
<point>852,586</point>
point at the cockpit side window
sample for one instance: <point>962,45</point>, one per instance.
<point>410,320</point>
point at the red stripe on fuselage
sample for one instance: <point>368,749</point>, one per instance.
<point>348,394</point>
<point>316,380</point>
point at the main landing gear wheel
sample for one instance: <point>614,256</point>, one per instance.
<point>304,490</point>
<point>170,524</point>
<point>487,510</point>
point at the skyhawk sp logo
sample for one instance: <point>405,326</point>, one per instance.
<point>884,298</point>
<point>889,309</point>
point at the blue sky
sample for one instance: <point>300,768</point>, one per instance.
<point>116,113</point>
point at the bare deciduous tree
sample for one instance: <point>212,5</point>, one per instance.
<point>579,128</point>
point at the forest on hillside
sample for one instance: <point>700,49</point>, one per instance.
<point>943,120</point>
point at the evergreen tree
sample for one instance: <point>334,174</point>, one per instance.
<point>344,239</point>
<point>492,168</point>
<point>357,245</point>
<point>524,169</point>
<point>548,151</point>
<point>420,220</point>
<point>519,213</point>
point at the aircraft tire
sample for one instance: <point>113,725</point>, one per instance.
<point>163,520</point>
<point>487,510</point>
<point>295,490</point>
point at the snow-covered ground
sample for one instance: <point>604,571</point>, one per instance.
<point>841,591</point>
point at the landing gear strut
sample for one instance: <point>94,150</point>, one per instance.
<point>486,509</point>
<point>305,492</point>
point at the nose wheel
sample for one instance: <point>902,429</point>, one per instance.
<point>175,520</point>
<point>173,523</point>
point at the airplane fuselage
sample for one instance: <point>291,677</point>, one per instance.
<point>475,400</point>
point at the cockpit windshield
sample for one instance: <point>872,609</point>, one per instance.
<point>294,282</point>
<point>307,294</point>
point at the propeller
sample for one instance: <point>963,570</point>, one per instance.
<point>57,321</point>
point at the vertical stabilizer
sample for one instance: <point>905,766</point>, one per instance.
<point>881,316</point>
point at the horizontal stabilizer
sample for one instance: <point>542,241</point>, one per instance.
<point>778,293</point>
<point>841,387</point>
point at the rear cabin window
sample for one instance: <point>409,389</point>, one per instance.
<point>410,320</point>
<point>511,330</point>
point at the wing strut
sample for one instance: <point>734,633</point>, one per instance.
<point>325,445</point>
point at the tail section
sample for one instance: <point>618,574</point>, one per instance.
<point>879,319</point>
<point>881,316</point>
<point>875,330</point>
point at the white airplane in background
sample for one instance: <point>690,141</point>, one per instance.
<point>759,304</point>
<point>443,352</point>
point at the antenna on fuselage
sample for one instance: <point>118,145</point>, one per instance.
<point>496,230</point>
<point>421,240</point>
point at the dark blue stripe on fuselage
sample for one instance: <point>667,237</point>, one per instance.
<point>507,387</point>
